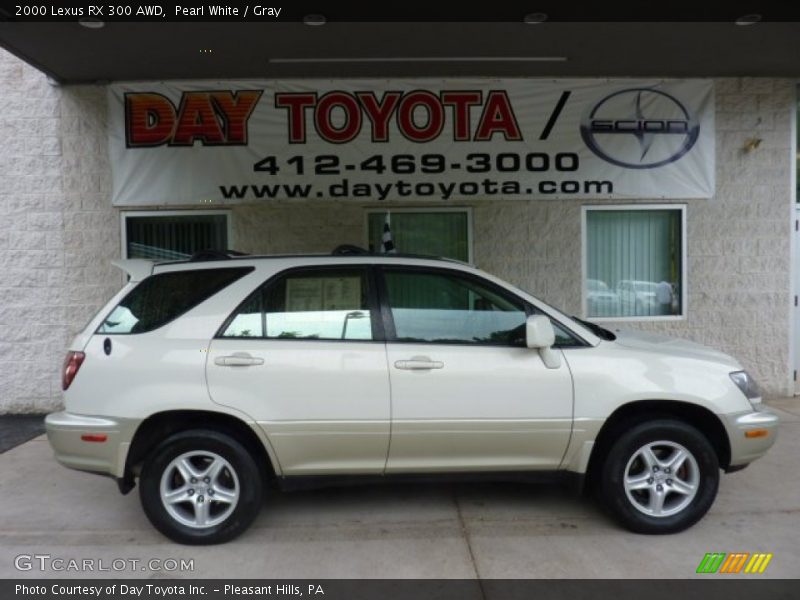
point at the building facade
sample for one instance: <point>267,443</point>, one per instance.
<point>732,254</point>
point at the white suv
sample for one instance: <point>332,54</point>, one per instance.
<point>208,379</point>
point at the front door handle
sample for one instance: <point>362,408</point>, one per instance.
<point>238,359</point>
<point>419,363</point>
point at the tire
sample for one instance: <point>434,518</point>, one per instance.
<point>645,485</point>
<point>200,511</point>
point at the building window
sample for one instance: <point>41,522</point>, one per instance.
<point>635,259</point>
<point>440,232</point>
<point>173,235</point>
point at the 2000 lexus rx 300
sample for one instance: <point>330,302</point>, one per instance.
<point>205,379</point>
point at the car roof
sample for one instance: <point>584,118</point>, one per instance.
<point>312,259</point>
<point>138,268</point>
<point>367,255</point>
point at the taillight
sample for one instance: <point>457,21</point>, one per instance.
<point>72,363</point>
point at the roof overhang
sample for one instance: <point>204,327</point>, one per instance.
<point>123,51</point>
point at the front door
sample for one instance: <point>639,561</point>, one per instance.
<point>302,356</point>
<point>467,394</point>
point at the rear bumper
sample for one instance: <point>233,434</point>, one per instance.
<point>745,449</point>
<point>68,434</point>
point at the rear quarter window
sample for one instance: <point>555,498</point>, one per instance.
<point>164,297</point>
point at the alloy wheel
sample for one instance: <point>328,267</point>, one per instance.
<point>661,478</point>
<point>199,489</point>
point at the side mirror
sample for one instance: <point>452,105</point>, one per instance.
<point>540,335</point>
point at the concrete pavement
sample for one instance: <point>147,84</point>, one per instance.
<point>488,530</point>
<point>18,429</point>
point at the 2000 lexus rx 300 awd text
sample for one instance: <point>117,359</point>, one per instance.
<point>205,380</point>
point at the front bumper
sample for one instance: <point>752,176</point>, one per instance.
<point>68,434</point>
<point>746,449</point>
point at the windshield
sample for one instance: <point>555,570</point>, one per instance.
<point>600,332</point>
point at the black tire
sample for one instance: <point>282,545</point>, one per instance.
<point>624,456</point>
<point>241,473</point>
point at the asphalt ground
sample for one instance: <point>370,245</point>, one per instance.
<point>18,429</point>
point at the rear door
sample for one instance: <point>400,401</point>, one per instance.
<point>304,356</point>
<point>467,394</point>
<point>148,352</point>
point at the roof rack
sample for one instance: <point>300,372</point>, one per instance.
<point>349,250</point>
<point>203,255</point>
<point>342,250</point>
<point>352,250</point>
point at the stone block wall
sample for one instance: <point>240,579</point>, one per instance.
<point>59,232</point>
<point>57,229</point>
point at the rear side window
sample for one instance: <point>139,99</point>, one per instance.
<point>163,297</point>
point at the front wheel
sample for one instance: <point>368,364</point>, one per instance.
<point>200,487</point>
<point>660,476</point>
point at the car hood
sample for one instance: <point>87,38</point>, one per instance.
<point>673,346</point>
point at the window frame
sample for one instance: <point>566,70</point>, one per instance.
<point>376,315</point>
<point>424,209</point>
<point>585,209</point>
<point>126,214</point>
<point>246,270</point>
<point>388,319</point>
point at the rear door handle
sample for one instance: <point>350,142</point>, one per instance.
<point>419,363</point>
<point>238,359</point>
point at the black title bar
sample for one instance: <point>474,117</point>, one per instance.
<point>534,12</point>
<point>710,588</point>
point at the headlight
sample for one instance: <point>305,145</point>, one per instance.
<point>748,386</point>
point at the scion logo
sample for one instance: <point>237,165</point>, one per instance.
<point>639,128</point>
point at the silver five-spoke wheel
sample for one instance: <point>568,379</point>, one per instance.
<point>661,478</point>
<point>199,489</point>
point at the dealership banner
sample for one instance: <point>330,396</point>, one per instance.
<point>221,142</point>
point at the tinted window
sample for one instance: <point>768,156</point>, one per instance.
<point>248,322</point>
<point>163,297</point>
<point>324,305</point>
<point>444,308</point>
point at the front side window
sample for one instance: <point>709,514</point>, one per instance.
<point>163,297</point>
<point>446,308</point>
<point>634,262</point>
<point>174,236</point>
<point>313,304</point>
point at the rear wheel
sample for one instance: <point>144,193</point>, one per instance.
<point>660,477</point>
<point>201,487</point>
